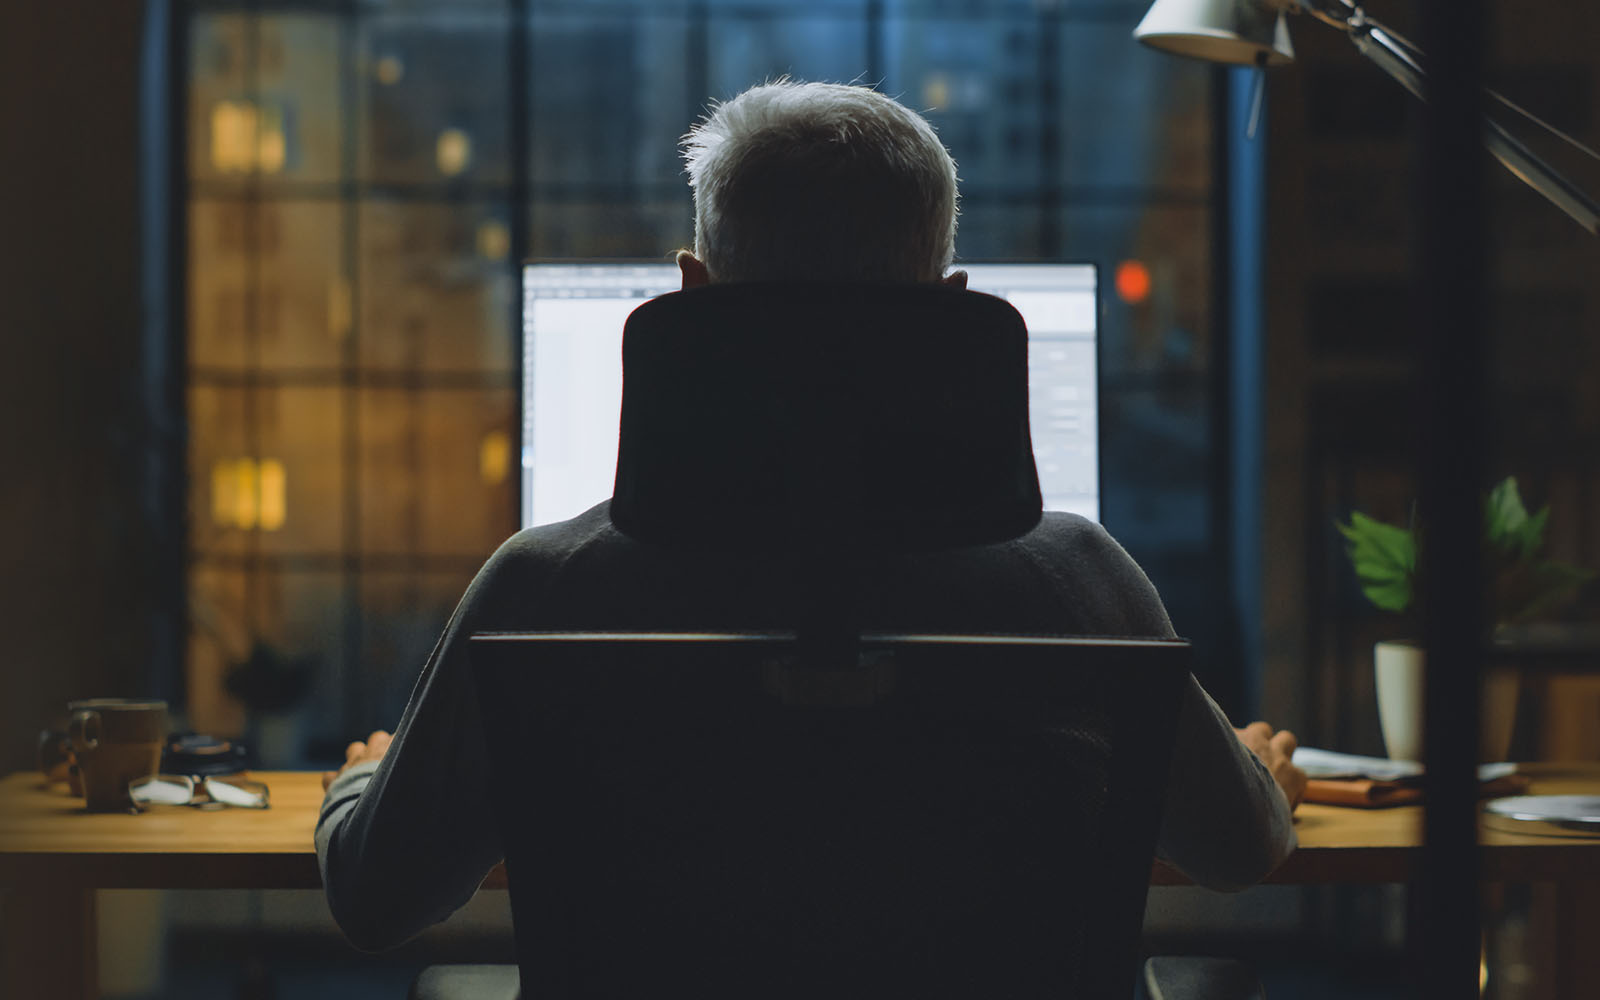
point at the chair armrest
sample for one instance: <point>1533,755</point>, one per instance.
<point>1173,977</point>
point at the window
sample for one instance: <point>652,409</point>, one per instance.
<point>363,178</point>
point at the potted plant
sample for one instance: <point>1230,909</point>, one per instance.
<point>1525,584</point>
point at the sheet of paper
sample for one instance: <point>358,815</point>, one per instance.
<point>1327,764</point>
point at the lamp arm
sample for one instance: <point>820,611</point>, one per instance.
<point>1403,61</point>
<point>1542,177</point>
<point>1389,53</point>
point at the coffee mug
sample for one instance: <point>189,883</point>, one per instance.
<point>115,740</point>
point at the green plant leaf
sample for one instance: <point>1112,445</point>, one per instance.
<point>1533,534</point>
<point>1373,541</point>
<point>1525,586</point>
<point>1395,595</point>
<point>1506,519</point>
<point>1549,584</point>
<point>1504,508</point>
<point>1384,558</point>
<point>1378,544</point>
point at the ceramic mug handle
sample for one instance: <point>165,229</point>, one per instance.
<point>78,729</point>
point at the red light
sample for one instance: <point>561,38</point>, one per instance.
<point>1133,282</point>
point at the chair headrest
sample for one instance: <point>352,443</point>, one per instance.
<point>818,418</point>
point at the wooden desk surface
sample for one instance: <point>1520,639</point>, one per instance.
<point>1352,846</point>
<point>46,836</point>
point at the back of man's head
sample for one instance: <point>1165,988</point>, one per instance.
<point>820,181</point>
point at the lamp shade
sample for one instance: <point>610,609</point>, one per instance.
<point>1246,32</point>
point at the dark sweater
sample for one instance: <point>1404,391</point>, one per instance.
<point>405,842</point>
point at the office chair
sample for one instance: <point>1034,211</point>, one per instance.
<point>805,808</point>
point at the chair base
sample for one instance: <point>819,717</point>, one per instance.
<point>1170,977</point>
<point>467,982</point>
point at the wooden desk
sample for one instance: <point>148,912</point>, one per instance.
<point>53,856</point>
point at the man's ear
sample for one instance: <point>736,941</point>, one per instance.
<point>956,280</point>
<point>694,272</point>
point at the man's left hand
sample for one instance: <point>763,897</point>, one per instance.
<point>359,752</point>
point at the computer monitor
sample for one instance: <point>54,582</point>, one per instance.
<point>572,320</point>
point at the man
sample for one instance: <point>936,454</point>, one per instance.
<point>791,181</point>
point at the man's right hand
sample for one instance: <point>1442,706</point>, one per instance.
<point>1276,750</point>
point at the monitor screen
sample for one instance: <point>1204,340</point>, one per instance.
<point>572,320</point>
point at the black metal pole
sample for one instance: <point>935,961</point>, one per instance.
<point>164,207</point>
<point>1452,376</point>
<point>356,709</point>
<point>1229,689</point>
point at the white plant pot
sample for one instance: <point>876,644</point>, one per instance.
<point>1398,667</point>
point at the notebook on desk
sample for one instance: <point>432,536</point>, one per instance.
<point>1343,779</point>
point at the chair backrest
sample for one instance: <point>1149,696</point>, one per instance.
<point>807,417</point>
<point>696,814</point>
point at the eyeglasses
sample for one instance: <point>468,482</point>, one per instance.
<point>202,793</point>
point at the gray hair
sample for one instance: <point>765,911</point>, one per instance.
<point>821,181</point>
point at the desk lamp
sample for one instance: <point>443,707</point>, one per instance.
<point>1255,33</point>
